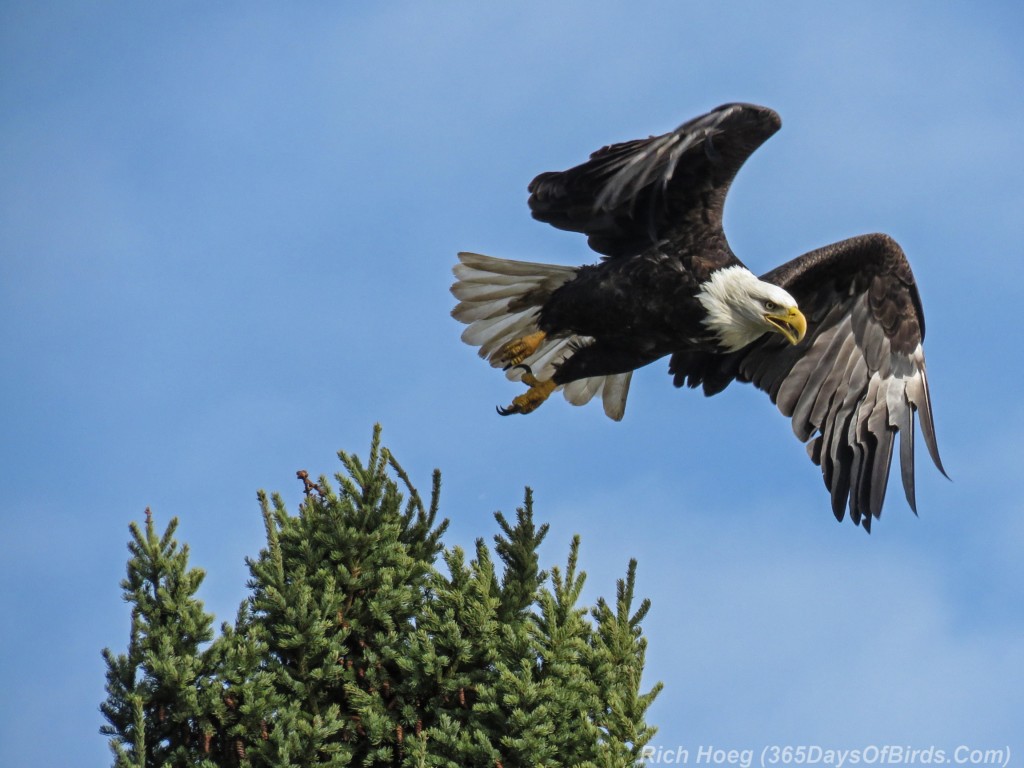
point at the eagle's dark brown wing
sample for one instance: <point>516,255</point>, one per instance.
<point>857,377</point>
<point>629,196</point>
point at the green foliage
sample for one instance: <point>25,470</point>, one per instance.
<point>356,647</point>
<point>163,694</point>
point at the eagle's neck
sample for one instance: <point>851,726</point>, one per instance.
<point>725,297</point>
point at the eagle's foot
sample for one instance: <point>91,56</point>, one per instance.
<point>514,352</point>
<point>530,400</point>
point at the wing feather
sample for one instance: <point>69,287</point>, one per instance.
<point>630,195</point>
<point>876,425</point>
<point>917,393</point>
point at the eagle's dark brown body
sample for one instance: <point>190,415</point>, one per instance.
<point>636,312</point>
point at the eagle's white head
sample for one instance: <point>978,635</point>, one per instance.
<point>741,308</point>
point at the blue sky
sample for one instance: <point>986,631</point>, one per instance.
<point>226,236</point>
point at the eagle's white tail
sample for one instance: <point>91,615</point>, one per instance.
<point>500,300</point>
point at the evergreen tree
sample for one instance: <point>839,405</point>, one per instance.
<point>357,647</point>
<point>162,694</point>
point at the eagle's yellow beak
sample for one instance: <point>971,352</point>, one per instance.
<point>790,322</point>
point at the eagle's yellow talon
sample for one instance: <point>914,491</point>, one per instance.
<point>514,352</point>
<point>530,400</point>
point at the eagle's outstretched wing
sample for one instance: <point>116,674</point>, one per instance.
<point>857,377</point>
<point>631,195</point>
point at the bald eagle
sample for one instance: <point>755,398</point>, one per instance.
<point>833,336</point>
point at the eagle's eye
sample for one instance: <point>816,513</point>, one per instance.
<point>771,306</point>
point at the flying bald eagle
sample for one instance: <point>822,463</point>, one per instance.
<point>833,336</point>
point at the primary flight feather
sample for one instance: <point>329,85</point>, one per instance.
<point>834,336</point>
